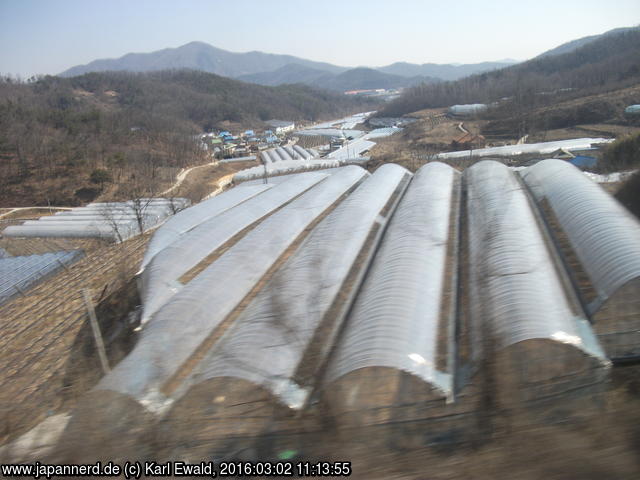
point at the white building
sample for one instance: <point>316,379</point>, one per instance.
<point>281,126</point>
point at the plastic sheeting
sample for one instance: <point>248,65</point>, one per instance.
<point>80,231</point>
<point>382,132</point>
<point>465,110</point>
<point>344,122</point>
<point>160,279</point>
<point>514,282</point>
<point>395,321</point>
<point>632,110</point>
<point>285,154</point>
<point>332,132</point>
<point>528,148</point>
<point>604,234</point>
<point>265,157</point>
<point>352,149</point>
<point>114,221</point>
<point>295,166</point>
<point>268,341</point>
<point>282,153</point>
<point>18,274</point>
<point>182,325</point>
<point>304,153</point>
<point>187,219</point>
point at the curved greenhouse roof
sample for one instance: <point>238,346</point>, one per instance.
<point>315,276</point>
<point>511,264</point>
<point>379,296</point>
<point>605,238</point>
<point>113,221</point>
<point>399,315</point>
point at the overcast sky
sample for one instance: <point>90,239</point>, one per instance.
<point>38,36</point>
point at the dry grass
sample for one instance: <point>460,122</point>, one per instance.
<point>44,335</point>
<point>202,181</point>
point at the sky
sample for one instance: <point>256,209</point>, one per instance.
<point>49,36</point>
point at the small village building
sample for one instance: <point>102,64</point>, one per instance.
<point>281,126</point>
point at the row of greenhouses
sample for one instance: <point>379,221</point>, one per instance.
<point>111,221</point>
<point>381,300</point>
<point>287,153</point>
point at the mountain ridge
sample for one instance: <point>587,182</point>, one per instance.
<point>359,78</point>
<point>197,56</point>
<point>265,67</point>
<point>277,69</point>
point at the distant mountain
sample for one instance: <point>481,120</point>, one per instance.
<point>608,62</point>
<point>442,71</point>
<point>270,69</point>
<point>363,78</point>
<point>199,56</point>
<point>360,78</point>
<point>291,73</point>
<point>580,42</point>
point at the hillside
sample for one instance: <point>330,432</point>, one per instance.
<point>271,69</point>
<point>354,79</point>
<point>138,127</point>
<point>289,74</point>
<point>441,71</point>
<point>198,56</point>
<point>580,42</point>
<point>365,78</point>
<point>607,63</point>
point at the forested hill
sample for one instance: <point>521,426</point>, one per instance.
<point>55,131</point>
<point>608,63</point>
<point>205,99</point>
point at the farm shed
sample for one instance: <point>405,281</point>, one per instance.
<point>600,242</point>
<point>281,126</point>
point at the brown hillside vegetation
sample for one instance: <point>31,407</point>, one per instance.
<point>55,133</point>
<point>605,64</point>
<point>49,357</point>
<point>434,132</point>
<point>629,194</point>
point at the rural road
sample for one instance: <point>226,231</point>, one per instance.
<point>182,174</point>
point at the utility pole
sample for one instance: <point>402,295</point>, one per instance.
<point>93,320</point>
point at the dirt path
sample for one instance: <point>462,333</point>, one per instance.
<point>182,175</point>
<point>18,209</point>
